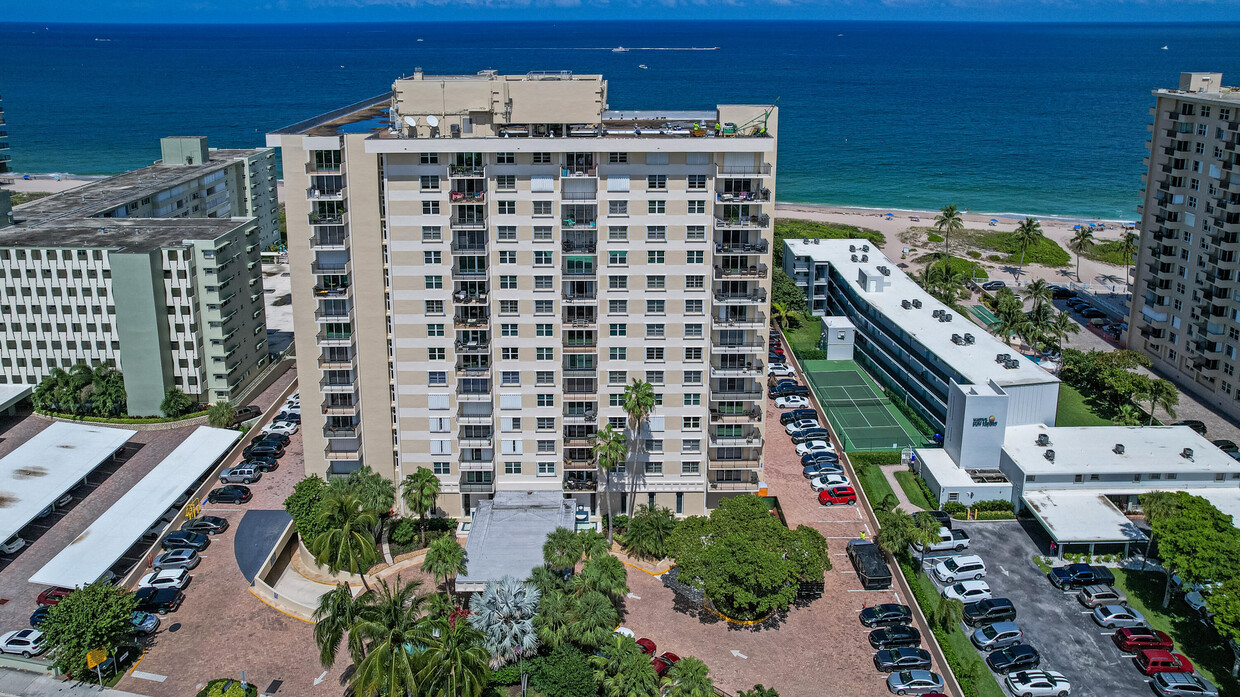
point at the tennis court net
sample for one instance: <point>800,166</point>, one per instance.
<point>864,402</point>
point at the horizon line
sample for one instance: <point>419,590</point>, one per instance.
<point>619,21</point>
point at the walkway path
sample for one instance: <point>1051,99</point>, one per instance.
<point>889,471</point>
<point>15,683</point>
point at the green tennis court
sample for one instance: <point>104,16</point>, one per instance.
<point>983,313</point>
<point>855,404</point>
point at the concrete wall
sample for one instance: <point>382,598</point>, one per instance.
<point>141,326</point>
<point>183,150</point>
<point>1032,404</point>
<point>976,420</point>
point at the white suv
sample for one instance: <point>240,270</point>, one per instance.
<point>969,566</point>
<point>165,578</point>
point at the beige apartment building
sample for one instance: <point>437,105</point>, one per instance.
<point>1184,314</point>
<point>482,263</point>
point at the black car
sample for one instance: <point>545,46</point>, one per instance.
<point>989,611</point>
<point>279,439</point>
<point>262,463</point>
<point>1091,313</point>
<point>39,615</point>
<point>903,658</point>
<point>1226,446</point>
<point>233,493</point>
<point>182,539</point>
<point>895,636</point>
<point>1013,658</point>
<point>291,417</point>
<point>206,524</point>
<point>270,449</point>
<point>993,285</point>
<point>809,434</point>
<point>1059,293</point>
<point>776,358</point>
<point>941,517</point>
<point>159,600</point>
<point>245,414</point>
<point>819,459</point>
<point>796,415</point>
<point>886,614</point>
<point>1198,426</point>
<point>787,391</point>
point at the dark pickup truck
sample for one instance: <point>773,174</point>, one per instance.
<point>867,559</point>
<point>1080,575</point>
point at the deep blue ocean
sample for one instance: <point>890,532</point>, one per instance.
<point>1039,118</point>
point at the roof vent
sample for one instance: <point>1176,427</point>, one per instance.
<point>936,313</point>
<point>947,316</point>
<point>852,248</point>
<point>1044,439</point>
<point>1049,455</point>
<point>815,240</point>
<point>865,247</point>
<point>968,339</point>
<point>1119,448</point>
<point>916,303</point>
<point>884,270</point>
<point>1187,454</point>
<point>1002,357</point>
<point>956,339</point>
<point>854,257</point>
<point>905,304</point>
<point>865,257</point>
<point>1012,364</point>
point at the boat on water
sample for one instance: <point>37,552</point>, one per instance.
<point>1164,48</point>
<point>641,66</point>
<point>619,49</point>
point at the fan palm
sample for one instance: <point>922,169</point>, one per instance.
<point>562,550</point>
<point>221,414</point>
<point>347,542</point>
<point>419,492</point>
<point>504,613</point>
<point>648,532</point>
<point>593,544</point>
<point>639,403</point>
<point>455,663</point>
<point>1127,246</point>
<point>546,580</point>
<point>1081,241</point>
<point>1028,232</point>
<point>948,221</point>
<point>689,677</point>
<point>594,619</point>
<point>391,632</point>
<point>445,560</point>
<point>610,452</point>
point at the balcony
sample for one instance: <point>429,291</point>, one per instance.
<point>471,321</point>
<point>580,484</point>
<point>322,168</point>
<point>747,246</point>
<point>332,291</point>
<point>477,487</point>
<point>335,385</point>
<point>472,395</point>
<point>734,171</point>
<point>736,370</point>
<point>743,222</point>
<point>756,271</point>
<point>468,223</point>
<point>339,408</point>
<point>334,451</point>
<point>331,268</point>
<point>588,170</point>
<point>579,463</point>
<point>579,195</point>
<point>751,440</point>
<point>579,321</point>
<point>469,246</point>
<point>749,320</point>
<point>472,371</point>
<point>317,194</point>
<point>473,346</point>
<point>461,297</point>
<point>353,432</point>
<point>741,297</point>
<point>326,338</point>
<point>326,241</point>
<point>467,196</point>
<point>578,295</point>
<point>578,223</point>
<point>739,464</point>
<point>328,219</point>
<point>571,246</point>
<point>717,483</point>
<point>746,346</point>
<point>472,169</point>
<point>476,466</point>
<point>469,273</point>
<point>334,363</point>
<point>580,345</point>
<point>760,196</point>
<point>726,416</point>
<point>748,394</point>
<point>331,314</point>
<point>473,440</point>
<point>576,416</point>
<point>471,418</point>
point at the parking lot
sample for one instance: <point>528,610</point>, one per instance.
<point>1053,621</point>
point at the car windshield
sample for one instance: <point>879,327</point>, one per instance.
<point>951,565</point>
<point>906,677</point>
<point>989,631</point>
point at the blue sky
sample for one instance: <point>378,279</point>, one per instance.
<point>245,11</point>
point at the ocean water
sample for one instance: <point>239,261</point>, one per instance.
<point>1043,118</point>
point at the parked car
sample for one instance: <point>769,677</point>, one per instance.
<point>1198,426</point>
<point>165,578</point>
<point>795,401</point>
<point>245,414</point>
<point>886,614</point>
<point>902,658</point>
<point>647,646</point>
<point>1080,575</point>
<point>262,463</point>
<point>1038,683</point>
<point>182,539</point>
<point>818,469</point>
<point>968,591</point>
<point>60,503</point>
<point>233,493</point>
<point>284,428</point>
<point>949,539</point>
<point>36,618</point>
<point>820,459</point>
<point>989,611</point>
<point>941,517</point>
<point>280,439</point>
<point>1092,313</point>
<point>781,370</point>
<point>664,663</point>
<point>787,391</point>
<point>1094,596</point>
<point>1059,293</point>
<point>802,425</point>
<point>1151,661</point>
<point>776,358</point>
<point>144,622</point>
<point>810,435</point>
<point>263,449</point>
<point>895,636</point>
<point>159,600</point>
<point>796,415</point>
<point>13,545</point>
<point>1183,685</point>
<point>240,475</point>
<point>1013,658</point>
<point>53,596</point>
<point>208,524</point>
<point>822,482</point>
<point>999,635</point>
<point>1115,616</point>
<point>184,558</point>
<point>27,642</point>
<point>837,495</point>
<point>293,417</point>
<point>1132,639</point>
<point>815,446</point>
<point>993,285</point>
<point>914,682</point>
<point>959,568</point>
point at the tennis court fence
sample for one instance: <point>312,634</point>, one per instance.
<point>863,402</point>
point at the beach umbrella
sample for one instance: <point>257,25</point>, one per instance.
<point>994,220</point>
<point>1076,227</point>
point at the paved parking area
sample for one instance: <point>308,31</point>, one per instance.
<point>1053,621</point>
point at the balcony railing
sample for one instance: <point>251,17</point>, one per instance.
<point>477,487</point>
<point>749,483</point>
<point>578,195</point>
<point>468,223</point>
<point>329,241</point>
<point>580,296</point>
<point>470,170</point>
<point>574,484</point>
<point>316,194</point>
<point>587,246</point>
<point>322,168</point>
<point>742,221</point>
<point>331,291</point>
<point>341,432</point>
<point>326,337</point>
<point>469,245</point>
<point>753,296</point>
<point>755,247</point>
<point>580,322</point>
<point>335,385</point>
<point>463,371</point>
<point>577,417</point>
<point>330,268</point>
<point>755,271</point>
<point>336,364</point>
<point>728,417</point>
<point>579,464</point>
<point>762,170</point>
<point>743,196</point>
<point>751,318</point>
<point>481,321</point>
<point>467,196</point>
<point>743,395</point>
<point>473,346</point>
<point>317,219</point>
<point>341,452</point>
<point>462,298</point>
<point>331,313</point>
<point>468,272</point>
<point>751,368</point>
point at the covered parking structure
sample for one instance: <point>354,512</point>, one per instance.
<point>1083,522</point>
<point>100,546</point>
<point>41,470</point>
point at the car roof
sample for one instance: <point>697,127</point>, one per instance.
<point>1156,654</point>
<point>1098,588</point>
<point>964,558</point>
<point>1115,609</point>
<point>1004,627</point>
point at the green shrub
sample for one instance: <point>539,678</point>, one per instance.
<point>934,237</point>
<point>215,688</point>
<point>303,506</point>
<point>1044,250</point>
<point>124,419</point>
<point>1109,252</point>
<point>510,674</point>
<point>925,489</point>
<point>565,673</point>
<point>954,507</point>
<point>993,505</point>
<point>973,254</point>
<point>994,257</point>
<point>810,354</point>
<point>994,515</point>
<point>619,522</point>
<point>874,457</point>
<point>404,531</point>
<point>909,412</point>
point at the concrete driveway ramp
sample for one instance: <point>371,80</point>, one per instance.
<point>255,537</point>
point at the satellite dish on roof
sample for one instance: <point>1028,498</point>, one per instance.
<point>412,121</point>
<point>432,120</point>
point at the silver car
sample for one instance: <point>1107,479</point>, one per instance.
<point>999,635</point>
<point>240,475</point>
<point>1093,596</point>
<point>914,682</point>
<point>1116,616</point>
<point>176,559</point>
<point>1183,684</point>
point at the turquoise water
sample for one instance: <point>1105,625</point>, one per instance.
<point>1046,119</point>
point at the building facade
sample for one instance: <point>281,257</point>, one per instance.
<point>4,145</point>
<point>481,264</point>
<point>1184,315</point>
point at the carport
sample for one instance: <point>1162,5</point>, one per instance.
<point>115,532</point>
<point>1083,521</point>
<point>35,475</point>
<point>11,395</point>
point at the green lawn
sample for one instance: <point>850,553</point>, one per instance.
<point>1109,252</point>
<point>874,484</point>
<point>1202,645</point>
<point>1074,411</point>
<point>963,648</point>
<point>806,335</point>
<point>908,482</point>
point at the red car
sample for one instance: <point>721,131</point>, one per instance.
<point>838,494</point>
<point>1150,661</point>
<point>664,663</point>
<point>53,596</point>
<point>647,646</point>
<point>1133,639</point>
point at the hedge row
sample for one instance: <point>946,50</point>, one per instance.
<point>909,412</point>
<point>124,419</point>
<point>964,675</point>
<point>874,457</point>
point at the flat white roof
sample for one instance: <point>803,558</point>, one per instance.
<point>946,472</point>
<point>507,535</point>
<point>976,362</point>
<point>1081,516</point>
<point>11,394</point>
<point>85,559</point>
<point>43,468</point>
<point>1226,500</point>
<point>1091,449</point>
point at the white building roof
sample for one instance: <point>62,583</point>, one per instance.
<point>43,468</point>
<point>1081,516</point>
<point>1091,449</point>
<point>85,559</point>
<point>945,471</point>
<point>507,534</point>
<point>11,394</point>
<point>1226,500</point>
<point>976,362</point>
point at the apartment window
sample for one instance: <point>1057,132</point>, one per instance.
<point>545,447</point>
<point>1192,203</point>
<point>434,282</point>
<point>656,233</point>
<point>692,445</point>
<point>544,353</point>
<point>542,234</point>
<point>617,208</point>
<point>693,377</point>
<point>544,377</point>
<point>1170,475</point>
<point>656,207</point>
<point>695,283</point>
<point>618,353</point>
<point>543,258</point>
<point>693,399</point>
<point>655,468</point>
<point>441,467</point>
<point>508,282</point>
<point>656,283</point>
<point>656,307</point>
<point>617,307</point>
<point>542,208</point>
<point>510,378</point>
<point>509,353</point>
<point>506,233</point>
<point>432,233</point>
<point>543,330</point>
<point>543,283</point>
<point>691,423</point>
<point>695,182</point>
<point>654,354</point>
<point>434,307</point>
<point>694,307</point>
<point>542,158</point>
<point>655,331</point>
<point>430,208</point>
<point>430,182</point>
<point>512,468</point>
<point>544,307</point>
<point>1202,130</point>
<point>506,182</point>
<point>506,207</point>
<point>617,377</point>
<point>546,468</point>
<point>618,330</point>
<point>509,307</point>
<point>617,233</point>
<point>615,400</point>
<point>1078,478</point>
<point>693,331</point>
<point>656,181</point>
<point>546,400</point>
<point>505,158</point>
<point>507,257</point>
<point>435,354</point>
<point>545,423</point>
<point>693,354</point>
<point>428,158</point>
<point>697,207</point>
<point>508,330</point>
<point>434,330</point>
<point>617,257</point>
<point>437,377</point>
<point>1224,114</point>
<point>617,158</point>
<point>617,283</point>
<point>695,257</point>
<point>432,257</point>
<point>654,377</point>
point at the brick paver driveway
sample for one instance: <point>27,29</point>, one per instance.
<point>820,649</point>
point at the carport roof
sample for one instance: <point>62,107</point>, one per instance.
<point>86,558</point>
<point>507,534</point>
<point>43,468</point>
<point>1081,516</point>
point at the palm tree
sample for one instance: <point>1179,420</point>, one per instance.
<point>420,490</point>
<point>593,544</point>
<point>546,580</point>
<point>779,313</point>
<point>1127,415</point>
<point>603,574</point>
<point>623,670</point>
<point>1007,326</point>
<point>455,663</point>
<point>1162,393</point>
<point>648,532</point>
<point>445,560</point>
<point>1063,327</point>
<point>347,542</point>
<point>376,492</point>
<point>1040,293</point>
<point>1028,232</point>
<point>948,613</point>
<point>1127,246</point>
<point>610,452</point>
<point>1081,241</point>
<point>562,550</point>
<point>440,606</point>
<point>504,613</point>
<point>555,613</point>
<point>639,404</point>
<point>594,618</point>
<point>389,631</point>
<point>221,414</point>
<point>336,614</point>
<point>947,222</point>
<point>689,677</point>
